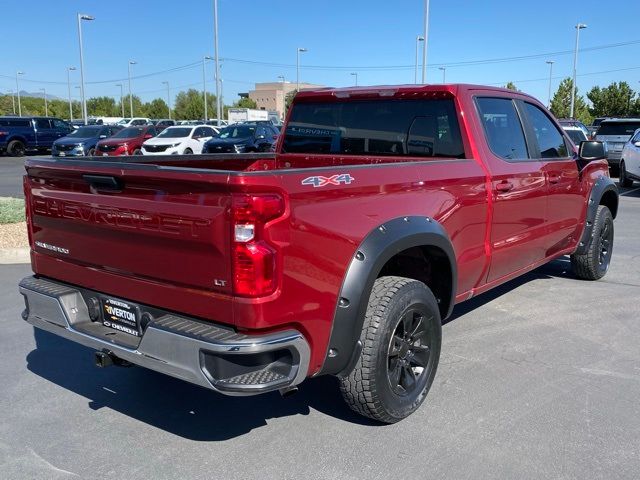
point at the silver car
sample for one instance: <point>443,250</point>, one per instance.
<point>615,132</point>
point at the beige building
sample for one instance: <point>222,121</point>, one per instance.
<point>271,96</point>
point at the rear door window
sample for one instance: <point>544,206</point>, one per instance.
<point>503,128</point>
<point>550,141</point>
<point>416,128</point>
<point>43,123</point>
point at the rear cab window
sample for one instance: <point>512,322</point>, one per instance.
<point>10,122</point>
<point>389,127</point>
<point>503,128</point>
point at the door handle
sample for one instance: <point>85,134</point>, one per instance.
<point>504,186</point>
<point>554,179</point>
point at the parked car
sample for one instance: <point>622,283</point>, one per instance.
<point>341,254</point>
<point>576,134</point>
<point>126,142</point>
<point>568,122</point>
<point>163,123</point>
<point>179,139</point>
<point>245,137</point>
<point>630,161</point>
<point>134,122</point>
<point>82,141</point>
<point>214,122</point>
<point>21,134</point>
<point>615,132</point>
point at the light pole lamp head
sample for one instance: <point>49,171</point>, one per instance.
<point>72,69</point>
<point>580,26</point>
<point>19,73</point>
<point>208,57</point>
<point>118,84</point>
<point>302,50</point>
<point>132,62</point>
<point>550,62</point>
<point>420,38</point>
<point>86,17</point>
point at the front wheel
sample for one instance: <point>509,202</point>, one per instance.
<point>16,148</point>
<point>401,339</point>
<point>91,152</point>
<point>594,263</point>
<point>188,151</point>
<point>137,151</point>
<point>625,181</point>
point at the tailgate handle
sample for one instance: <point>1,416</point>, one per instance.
<point>103,182</point>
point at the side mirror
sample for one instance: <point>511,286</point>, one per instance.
<point>590,151</point>
<point>637,144</point>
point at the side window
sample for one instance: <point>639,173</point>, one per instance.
<point>60,125</point>
<point>550,140</point>
<point>636,137</point>
<point>43,123</point>
<point>198,133</point>
<point>503,128</point>
<point>262,132</point>
<point>208,132</point>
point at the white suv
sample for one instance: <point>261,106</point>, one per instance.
<point>630,161</point>
<point>181,139</point>
<point>134,122</point>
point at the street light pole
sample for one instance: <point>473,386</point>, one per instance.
<point>217,60</point>
<point>355,74</point>
<point>18,73</point>
<point>444,74</point>
<point>121,98</point>
<point>131,62</point>
<point>419,38</point>
<point>204,86</point>
<point>46,106</point>
<point>578,27</point>
<point>168,98</point>
<point>69,69</point>
<point>84,102</point>
<point>550,63</point>
<point>426,40</point>
<point>299,50</point>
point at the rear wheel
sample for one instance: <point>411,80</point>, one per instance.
<point>594,263</point>
<point>625,181</point>
<point>188,151</point>
<point>16,148</point>
<point>137,151</point>
<point>401,340</point>
<point>91,152</point>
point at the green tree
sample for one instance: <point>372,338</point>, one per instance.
<point>511,86</point>
<point>288,99</point>
<point>561,103</point>
<point>102,107</point>
<point>156,108</point>
<point>137,107</point>
<point>616,100</point>
<point>245,102</point>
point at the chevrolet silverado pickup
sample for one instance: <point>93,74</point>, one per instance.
<point>339,254</point>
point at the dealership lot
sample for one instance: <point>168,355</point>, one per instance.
<point>539,378</point>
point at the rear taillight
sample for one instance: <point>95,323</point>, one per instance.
<point>26,188</point>
<point>254,259</point>
<point>3,133</point>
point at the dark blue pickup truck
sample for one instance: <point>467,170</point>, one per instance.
<point>20,134</point>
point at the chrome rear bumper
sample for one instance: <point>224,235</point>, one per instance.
<point>199,352</point>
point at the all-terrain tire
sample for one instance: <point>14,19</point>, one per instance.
<point>370,388</point>
<point>594,263</point>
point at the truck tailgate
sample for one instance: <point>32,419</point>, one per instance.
<point>141,223</point>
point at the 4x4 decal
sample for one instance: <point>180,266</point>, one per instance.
<point>320,181</point>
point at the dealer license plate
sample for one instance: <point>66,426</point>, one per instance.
<point>121,316</point>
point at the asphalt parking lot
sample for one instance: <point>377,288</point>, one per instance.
<point>539,378</point>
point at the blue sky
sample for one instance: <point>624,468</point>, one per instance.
<point>352,34</point>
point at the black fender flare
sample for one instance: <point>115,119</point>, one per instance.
<point>601,187</point>
<point>377,248</point>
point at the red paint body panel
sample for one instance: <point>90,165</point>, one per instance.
<point>165,239</point>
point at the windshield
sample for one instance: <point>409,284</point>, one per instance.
<point>175,132</point>
<point>86,132</point>
<point>240,131</point>
<point>618,128</point>
<point>123,121</point>
<point>576,135</point>
<point>130,132</point>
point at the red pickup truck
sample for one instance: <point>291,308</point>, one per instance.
<point>340,253</point>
